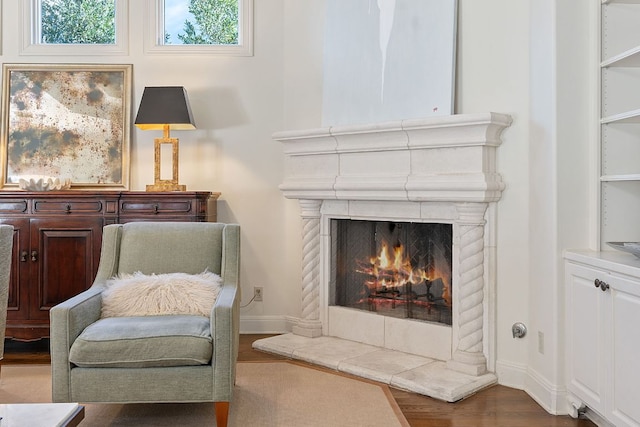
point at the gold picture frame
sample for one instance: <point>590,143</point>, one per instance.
<point>68,121</point>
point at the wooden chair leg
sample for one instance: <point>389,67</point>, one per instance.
<point>222,413</point>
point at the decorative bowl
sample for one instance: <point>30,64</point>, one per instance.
<point>630,247</point>
<point>44,184</point>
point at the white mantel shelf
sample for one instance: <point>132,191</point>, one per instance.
<point>448,158</point>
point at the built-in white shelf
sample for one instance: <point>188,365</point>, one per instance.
<point>625,117</point>
<point>629,58</point>
<point>619,145</point>
<point>621,1</point>
<point>622,177</point>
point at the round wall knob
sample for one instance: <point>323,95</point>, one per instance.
<point>519,330</point>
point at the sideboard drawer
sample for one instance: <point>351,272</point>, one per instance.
<point>68,206</point>
<point>17,206</point>
<point>155,207</point>
<point>166,206</point>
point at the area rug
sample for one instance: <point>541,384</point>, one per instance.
<point>269,394</point>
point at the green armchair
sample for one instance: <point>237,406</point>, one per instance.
<point>6,246</point>
<point>153,248</point>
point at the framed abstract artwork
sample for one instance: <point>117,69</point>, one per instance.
<point>66,121</point>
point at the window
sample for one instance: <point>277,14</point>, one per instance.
<point>200,22</point>
<point>201,26</point>
<point>72,27</point>
<point>77,22</point>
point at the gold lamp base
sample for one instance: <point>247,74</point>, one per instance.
<point>166,184</point>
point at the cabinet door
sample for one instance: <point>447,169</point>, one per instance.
<point>64,258</point>
<point>18,306</point>
<point>625,347</point>
<point>586,308</point>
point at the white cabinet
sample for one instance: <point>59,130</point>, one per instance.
<point>585,336</point>
<point>619,121</point>
<point>603,334</point>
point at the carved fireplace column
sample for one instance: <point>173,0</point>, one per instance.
<point>310,325</point>
<point>468,356</point>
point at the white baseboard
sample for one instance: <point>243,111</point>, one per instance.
<point>552,398</point>
<point>511,374</point>
<point>264,324</point>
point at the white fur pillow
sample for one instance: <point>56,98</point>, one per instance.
<point>138,294</point>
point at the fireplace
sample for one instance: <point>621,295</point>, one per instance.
<point>397,269</point>
<point>367,191</point>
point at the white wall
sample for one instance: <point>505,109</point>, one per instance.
<point>574,150</point>
<point>524,58</point>
<point>493,75</point>
<point>543,290</point>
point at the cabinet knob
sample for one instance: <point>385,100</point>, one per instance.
<point>600,284</point>
<point>23,256</point>
<point>68,208</point>
<point>34,256</point>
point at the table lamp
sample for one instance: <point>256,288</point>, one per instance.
<point>165,108</point>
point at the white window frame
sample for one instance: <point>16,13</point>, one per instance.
<point>154,30</point>
<point>31,27</point>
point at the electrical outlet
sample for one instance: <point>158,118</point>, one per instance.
<point>257,293</point>
<point>540,342</point>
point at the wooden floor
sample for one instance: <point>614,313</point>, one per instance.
<point>497,406</point>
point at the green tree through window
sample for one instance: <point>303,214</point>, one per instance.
<point>78,21</point>
<point>216,22</point>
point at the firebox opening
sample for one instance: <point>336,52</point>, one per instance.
<point>398,269</point>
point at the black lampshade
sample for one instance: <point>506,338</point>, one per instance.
<point>164,105</point>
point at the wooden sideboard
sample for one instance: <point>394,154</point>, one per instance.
<point>57,241</point>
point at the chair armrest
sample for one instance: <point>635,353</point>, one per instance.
<point>225,332</point>
<point>109,254</point>
<point>67,320</point>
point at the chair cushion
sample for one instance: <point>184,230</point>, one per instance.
<point>138,342</point>
<point>138,294</point>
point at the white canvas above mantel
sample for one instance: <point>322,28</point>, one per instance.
<point>388,60</point>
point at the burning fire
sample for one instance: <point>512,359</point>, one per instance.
<point>391,270</point>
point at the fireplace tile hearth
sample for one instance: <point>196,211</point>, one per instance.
<point>435,380</point>
<point>382,365</point>
<point>405,371</point>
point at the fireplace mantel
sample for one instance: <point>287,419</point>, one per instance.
<point>449,158</point>
<point>439,169</point>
